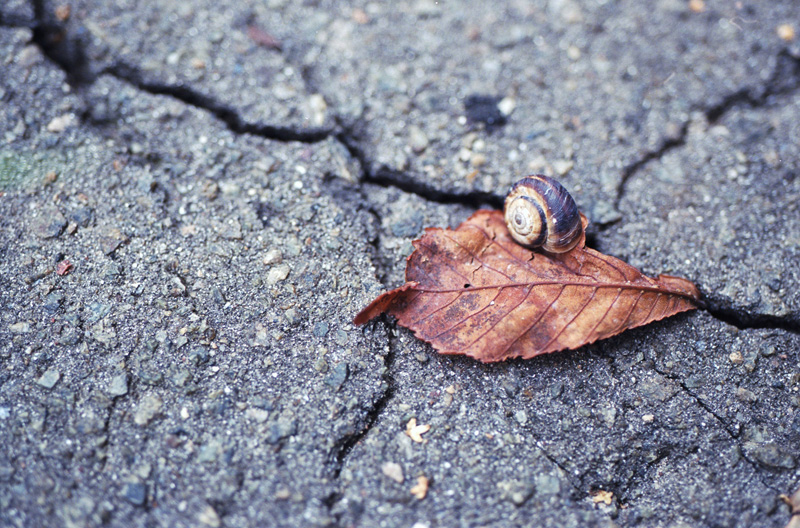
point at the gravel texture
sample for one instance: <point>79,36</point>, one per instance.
<point>195,201</point>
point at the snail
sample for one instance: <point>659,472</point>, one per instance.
<point>540,213</point>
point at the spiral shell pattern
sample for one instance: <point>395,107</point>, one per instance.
<point>540,213</point>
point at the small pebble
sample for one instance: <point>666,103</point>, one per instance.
<point>61,123</point>
<point>118,386</point>
<point>770,455</point>
<point>507,105</point>
<point>50,223</point>
<point>321,329</point>
<point>284,427</point>
<point>147,410</point>
<point>417,139</point>
<point>746,396</point>
<point>49,379</point>
<point>338,376</point>
<point>548,485</point>
<point>231,230</point>
<point>573,53</point>
<point>135,493</point>
<point>736,357</point>
<point>210,190</point>
<point>562,167</point>
<point>111,239</point>
<point>769,351</point>
<point>317,108</point>
<point>259,415</point>
<point>210,451</point>
<point>181,378</point>
<point>786,32</point>
<point>273,256</point>
<point>394,471</point>
<point>277,274</point>
<point>478,160</point>
<point>340,337</point>
<point>209,517</point>
<point>21,327</point>
<point>648,418</point>
<point>320,365</point>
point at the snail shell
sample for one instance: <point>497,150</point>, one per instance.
<point>540,213</point>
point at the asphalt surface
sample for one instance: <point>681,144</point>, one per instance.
<point>195,201</point>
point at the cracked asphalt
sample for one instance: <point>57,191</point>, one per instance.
<point>197,198</point>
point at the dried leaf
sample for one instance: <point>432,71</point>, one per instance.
<point>415,431</point>
<point>421,489</point>
<point>603,496</point>
<point>475,291</point>
<point>794,504</point>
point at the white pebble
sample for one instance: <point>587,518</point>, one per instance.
<point>277,274</point>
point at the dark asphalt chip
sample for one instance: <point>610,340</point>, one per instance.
<point>483,109</point>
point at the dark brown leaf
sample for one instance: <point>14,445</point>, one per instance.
<point>475,291</point>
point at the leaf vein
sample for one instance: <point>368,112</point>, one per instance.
<point>608,310</point>
<point>499,291</point>
<point>555,337</point>
<point>533,324</point>
<point>481,336</point>
<point>425,316</point>
<point>474,256</point>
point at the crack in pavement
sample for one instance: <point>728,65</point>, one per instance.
<point>784,80</point>
<point>387,177</point>
<point>223,112</point>
<point>70,56</point>
<point>68,53</point>
<point>734,435</point>
<point>630,170</point>
<point>744,320</point>
<point>344,445</point>
<point>577,486</point>
<point>352,136</point>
